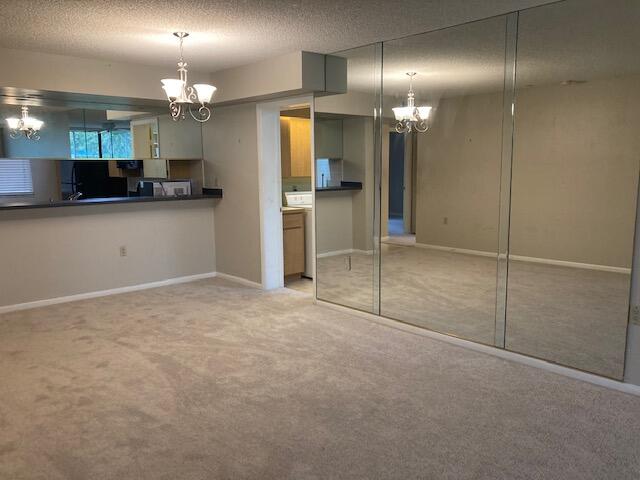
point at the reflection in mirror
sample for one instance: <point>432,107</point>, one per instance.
<point>575,181</point>
<point>344,162</point>
<point>71,132</point>
<point>99,152</point>
<point>45,180</point>
<point>440,189</point>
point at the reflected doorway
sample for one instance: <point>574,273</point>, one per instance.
<point>401,188</point>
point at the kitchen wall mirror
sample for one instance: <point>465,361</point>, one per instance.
<point>97,149</point>
<point>75,129</point>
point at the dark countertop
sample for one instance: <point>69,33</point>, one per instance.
<point>209,193</point>
<point>343,186</point>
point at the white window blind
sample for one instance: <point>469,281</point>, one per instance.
<point>15,177</point>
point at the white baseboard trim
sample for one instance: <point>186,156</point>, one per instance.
<point>104,293</point>
<point>563,263</point>
<point>466,251</point>
<point>240,280</point>
<point>494,351</point>
<point>522,258</point>
<point>345,252</point>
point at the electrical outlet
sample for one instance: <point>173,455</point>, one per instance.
<point>635,314</point>
<point>123,251</point>
<point>445,220</point>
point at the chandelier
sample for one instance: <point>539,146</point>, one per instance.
<point>182,96</point>
<point>25,125</point>
<point>411,117</point>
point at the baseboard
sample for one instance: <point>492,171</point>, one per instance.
<point>104,293</point>
<point>240,280</point>
<point>522,258</point>
<point>466,251</point>
<point>345,252</point>
<point>562,263</point>
<point>494,351</point>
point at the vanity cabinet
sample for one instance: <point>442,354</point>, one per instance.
<point>293,242</point>
<point>295,144</point>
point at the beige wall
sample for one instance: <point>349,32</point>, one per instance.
<point>49,253</point>
<point>575,173</point>
<point>230,145</point>
<point>358,166</point>
<point>61,73</point>
<point>285,75</point>
<point>334,222</point>
<point>459,174</point>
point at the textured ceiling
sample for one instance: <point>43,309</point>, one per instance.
<point>225,33</point>
<point>575,41</point>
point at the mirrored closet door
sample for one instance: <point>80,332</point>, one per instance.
<point>575,181</point>
<point>441,187</point>
<point>344,133</point>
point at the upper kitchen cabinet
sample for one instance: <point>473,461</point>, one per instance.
<point>328,138</point>
<point>295,142</point>
<point>144,138</point>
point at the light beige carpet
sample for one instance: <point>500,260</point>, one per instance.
<point>213,380</point>
<point>572,316</point>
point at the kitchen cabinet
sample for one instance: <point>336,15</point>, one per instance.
<point>293,242</point>
<point>295,144</point>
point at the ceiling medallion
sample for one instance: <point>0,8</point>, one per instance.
<point>182,96</point>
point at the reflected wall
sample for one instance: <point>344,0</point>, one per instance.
<point>440,228</point>
<point>575,182</point>
<point>344,127</point>
<point>511,220</point>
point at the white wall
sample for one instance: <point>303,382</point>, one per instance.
<point>230,145</point>
<point>55,252</point>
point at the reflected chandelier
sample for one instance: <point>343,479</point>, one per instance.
<point>25,125</point>
<point>182,96</point>
<point>411,118</point>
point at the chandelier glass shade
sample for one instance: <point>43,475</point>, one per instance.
<point>184,98</point>
<point>411,118</point>
<point>25,125</point>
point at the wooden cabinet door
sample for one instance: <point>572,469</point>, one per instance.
<point>293,242</point>
<point>300,146</point>
<point>285,147</point>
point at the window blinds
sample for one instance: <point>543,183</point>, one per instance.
<point>15,177</point>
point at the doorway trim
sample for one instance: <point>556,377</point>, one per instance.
<point>270,188</point>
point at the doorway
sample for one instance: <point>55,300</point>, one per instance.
<point>401,220</point>
<point>281,228</point>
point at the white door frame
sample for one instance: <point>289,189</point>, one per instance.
<point>270,187</point>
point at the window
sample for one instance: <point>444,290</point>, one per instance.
<point>100,144</point>
<point>15,177</point>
